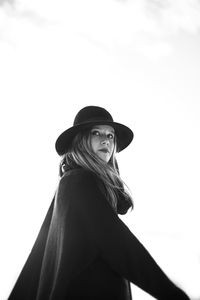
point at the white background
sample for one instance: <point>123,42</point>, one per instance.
<point>139,60</point>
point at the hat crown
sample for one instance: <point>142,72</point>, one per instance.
<point>91,114</point>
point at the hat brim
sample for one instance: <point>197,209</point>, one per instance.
<point>123,134</point>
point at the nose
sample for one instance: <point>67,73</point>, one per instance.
<point>105,141</point>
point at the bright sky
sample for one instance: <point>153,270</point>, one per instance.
<point>138,59</point>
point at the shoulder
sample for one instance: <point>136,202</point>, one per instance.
<point>78,173</point>
<point>82,189</point>
<point>79,176</point>
<point>78,187</point>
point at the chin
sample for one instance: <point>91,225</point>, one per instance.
<point>106,160</point>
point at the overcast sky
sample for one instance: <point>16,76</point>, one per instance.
<point>138,59</point>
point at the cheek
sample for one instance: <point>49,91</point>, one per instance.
<point>112,144</point>
<point>94,143</point>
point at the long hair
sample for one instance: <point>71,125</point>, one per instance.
<point>81,154</point>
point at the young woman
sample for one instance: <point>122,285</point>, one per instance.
<point>84,251</point>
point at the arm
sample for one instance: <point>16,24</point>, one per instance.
<point>117,245</point>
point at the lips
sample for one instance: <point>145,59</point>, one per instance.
<point>104,150</point>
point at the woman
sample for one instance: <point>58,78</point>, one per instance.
<point>83,250</point>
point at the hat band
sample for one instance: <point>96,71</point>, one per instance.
<point>96,119</point>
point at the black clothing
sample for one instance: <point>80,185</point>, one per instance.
<point>84,251</point>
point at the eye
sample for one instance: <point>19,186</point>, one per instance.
<point>110,136</point>
<point>95,132</point>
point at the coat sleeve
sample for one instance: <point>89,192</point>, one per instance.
<point>117,245</point>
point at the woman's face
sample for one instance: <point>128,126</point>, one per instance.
<point>102,141</point>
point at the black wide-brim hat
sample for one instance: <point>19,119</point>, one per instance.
<point>88,117</point>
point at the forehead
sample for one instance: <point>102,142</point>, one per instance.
<point>104,128</point>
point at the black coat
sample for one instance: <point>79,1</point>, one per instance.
<point>85,252</point>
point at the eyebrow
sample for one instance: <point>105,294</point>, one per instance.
<point>96,127</point>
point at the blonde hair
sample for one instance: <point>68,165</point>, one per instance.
<point>81,154</point>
